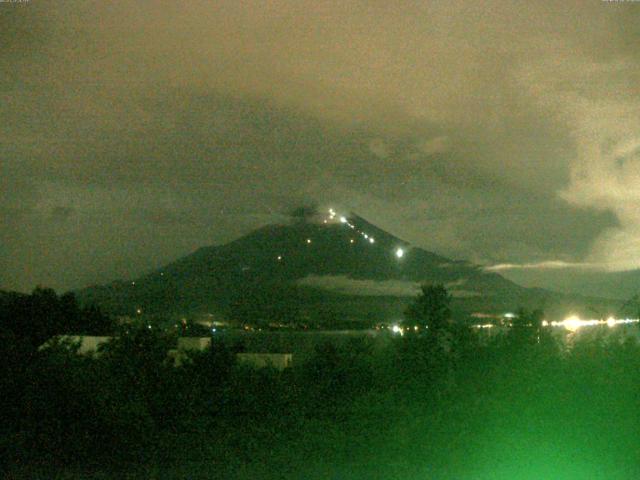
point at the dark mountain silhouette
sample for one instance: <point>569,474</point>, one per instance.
<point>321,270</point>
<point>619,284</point>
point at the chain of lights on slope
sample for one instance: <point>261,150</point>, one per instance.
<point>399,252</point>
<point>572,323</point>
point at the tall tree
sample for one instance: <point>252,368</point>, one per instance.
<point>526,326</point>
<point>432,308</point>
<point>36,318</point>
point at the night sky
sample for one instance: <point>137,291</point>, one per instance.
<point>134,132</point>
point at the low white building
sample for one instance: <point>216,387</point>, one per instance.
<point>194,343</point>
<point>87,344</point>
<point>188,344</point>
<point>90,345</point>
<point>279,361</point>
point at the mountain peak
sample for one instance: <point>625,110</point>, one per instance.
<point>304,262</point>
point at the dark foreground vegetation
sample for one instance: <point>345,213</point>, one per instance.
<point>450,404</point>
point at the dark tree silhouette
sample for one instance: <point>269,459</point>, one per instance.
<point>36,318</point>
<point>526,326</point>
<point>431,308</point>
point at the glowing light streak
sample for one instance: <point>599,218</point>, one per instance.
<point>573,323</point>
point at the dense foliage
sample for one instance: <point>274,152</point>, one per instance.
<point>518,405</point>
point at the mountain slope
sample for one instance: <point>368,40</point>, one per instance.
<point>332,267</point>
<point>621,285</point>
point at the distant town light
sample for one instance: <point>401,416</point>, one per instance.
<point>573,323</point>
<point>343,220</point>
<point>371,240</point>
<point>279,257</point>
<point>308,240</point>
<point>366,236</point>
<point>399,252</point>
<point>133,283</point>
<point>351,240</point>
<point>138,311</point>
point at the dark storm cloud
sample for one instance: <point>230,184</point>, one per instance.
<point>135,132</point>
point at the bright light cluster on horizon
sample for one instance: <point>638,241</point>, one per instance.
<point>483,325</point>
<point>573,323</point>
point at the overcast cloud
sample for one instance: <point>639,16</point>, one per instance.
<point>135,132</point>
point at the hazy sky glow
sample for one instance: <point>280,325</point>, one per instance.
<point>135,132</point>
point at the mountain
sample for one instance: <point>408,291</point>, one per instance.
<point>319,270</point>
<point>620,285</point>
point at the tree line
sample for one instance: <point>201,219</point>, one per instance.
<point>445,403</point>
